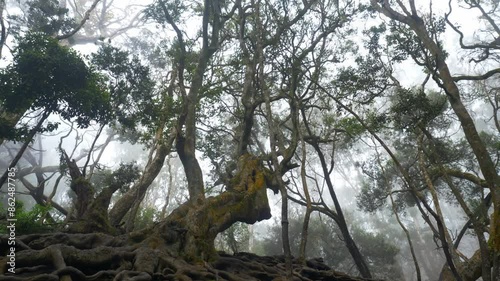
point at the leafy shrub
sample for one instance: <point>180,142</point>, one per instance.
<point>36,220</point>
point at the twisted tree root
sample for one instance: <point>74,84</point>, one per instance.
<point>93,257</point>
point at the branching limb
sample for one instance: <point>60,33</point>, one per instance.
<point>86,16</point>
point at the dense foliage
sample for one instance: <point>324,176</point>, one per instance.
<point>54,79</point>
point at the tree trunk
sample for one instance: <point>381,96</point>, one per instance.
<point>122,206</point>
<point>358,258</point>
<point>307,215</point>
<point>192,227</point>
<point>91,214</point>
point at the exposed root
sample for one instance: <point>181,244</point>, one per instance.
<point>89,257</point>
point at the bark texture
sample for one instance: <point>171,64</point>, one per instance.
<point>62,256</point>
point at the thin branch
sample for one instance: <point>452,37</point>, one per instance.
<point>91,150</point>
<point>478,77</point>
<point>86,16</point>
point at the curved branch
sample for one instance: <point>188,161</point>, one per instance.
<point>464,175</point>
<point>477,77</point>
<point>182,45</point>
<point>461,37</point>
<point>86,16</point>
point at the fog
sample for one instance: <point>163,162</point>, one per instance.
<point>358,164</point>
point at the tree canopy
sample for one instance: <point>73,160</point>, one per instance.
<point>376,122</point>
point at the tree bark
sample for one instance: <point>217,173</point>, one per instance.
<point>122,206</point>
<point>307,215</point>
<point>192,227</point>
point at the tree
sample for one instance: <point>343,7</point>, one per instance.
<point>72,22</point>
<point>326,243</point>
<point>261,89</point>
<point>50,79</point>
<point>417,36</point>
<point>190,230</point>
<point>45,75</point>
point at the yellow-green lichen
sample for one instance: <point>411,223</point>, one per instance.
<point>250,175</point>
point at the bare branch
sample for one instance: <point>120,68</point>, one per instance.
<point>84,20</point>
<point>478,77</point>
<point>91,150</point>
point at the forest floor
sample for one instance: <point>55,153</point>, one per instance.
<point>100,257</point>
